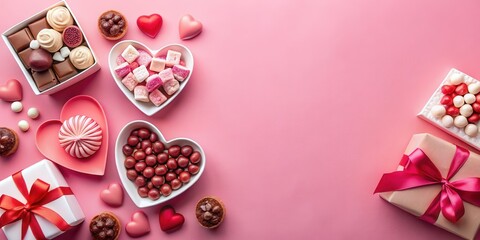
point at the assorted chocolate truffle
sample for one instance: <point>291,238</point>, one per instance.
<point>112,25</point>
<point>210,212</point>
<point>45,46</point>
<point>105,226</point>
<point>8,141</point>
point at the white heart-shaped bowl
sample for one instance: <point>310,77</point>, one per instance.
<point>122,171</point>
<point>148,108</point>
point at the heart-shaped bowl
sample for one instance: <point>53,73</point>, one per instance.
<point>122,171</point>
<point>147,107</point>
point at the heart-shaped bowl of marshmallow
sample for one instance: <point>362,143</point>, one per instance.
<point>51,49</point>
<point>152,169</point>
<point>150,79</point>
<point>455,107</point>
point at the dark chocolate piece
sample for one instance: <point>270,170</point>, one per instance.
<point>45,79</point>
<point>38,25</point>
<point>105,226</point>
<point>8,141</point>
<point>64,70</point>
<point>24,56</point>
<point>40,60</point>
<point>21,39</point>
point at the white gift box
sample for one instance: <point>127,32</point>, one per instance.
<point>62,85</point>
<point>66,206</point>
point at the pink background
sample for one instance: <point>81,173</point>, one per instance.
<point>300,107</point>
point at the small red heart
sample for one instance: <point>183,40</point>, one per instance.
<point>150,25</point>
<point>453,111</point>
<point>447,100</point>
<point>11,91</point>
<point>169,219</point>
<point>461,89</point>
<point>448,89</point>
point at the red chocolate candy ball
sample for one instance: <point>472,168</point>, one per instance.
<point>140,181</point>
<point>148,172</point>
<point>139,155</point>
<point>144,133</point>
<point>134,132</point>
<point>151,160</point>
<point>148,151</point>
<point>174,151</point>
<point>183,161</point>
<point>195,157</point>
<point>452,111</point>
<point>448,89</point>
<point>184,177</point>
<point>127,150</point>
<point>176,184</point>
<point>153,137</point>
<point>140,166</point>
<point>146,144</point>
<point>474,118</point>
<point>143,192</point>
<point>132,174</point>
<point>476,106</point>
<point>157,181</point>
<point>162,158</point>
<point>193,169</point>
<point>166,189</point>
<point>129,162</point>
<point>461,89</point>
<point>132,141</point>
<point>161,170</point>
<point>172,164</point>
<point>178,171</point>
<point>158,147</point>
<point>150,185</point>
<point>447,100</point>
<point>154,194</point>
<point>186,150</point>
<point>170,176</point>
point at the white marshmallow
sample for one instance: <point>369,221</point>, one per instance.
<point>438,111</point>
<point>474,88</point>
<point>17,107</point>
<point>141,73</point>
<point>34,44</point>
<point>458,101</point>
<point>65,52</point>
<point>456,78</point>
<point>469,98</point>
<point>460,121</point>
<point>58,57</point>
<point>471,130</point>
<point>130,54</point>
<point>447,121</point>
<point>466,110</point>
<point>23,125</point>
<point>33,113</point>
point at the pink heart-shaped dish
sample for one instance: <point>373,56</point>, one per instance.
<point>48,144</point>
<point>147,107</point>
<point>129,186</point>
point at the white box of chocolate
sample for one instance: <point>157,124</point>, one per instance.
<point>54,59</point>
<point>455,107</point>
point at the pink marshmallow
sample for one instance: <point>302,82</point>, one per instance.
<point>180,72</point>
<point>141,93</point>
<point>134,65</point>
<point>153,82</point>
<point>173,58</point>
<point>157,98</point>
<point>171,86</point>
<point>123,69</point>
<point>120,60</point>
<point>144,58</point>
<point>166,75</point>
<point>129,81</point>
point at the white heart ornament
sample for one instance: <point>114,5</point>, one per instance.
<point>147,107</point>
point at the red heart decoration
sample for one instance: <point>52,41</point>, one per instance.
<point>138,226</point>
<point>113,195</point>
<point>150,25</point>
<point>11,91</point>
<point>169,219</point>
<point>47,142</point>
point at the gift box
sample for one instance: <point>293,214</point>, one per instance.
<point>36,203</point>
<point>437,182</point>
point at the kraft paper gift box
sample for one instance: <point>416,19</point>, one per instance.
<point>421,201</point>
<point>50,200</point>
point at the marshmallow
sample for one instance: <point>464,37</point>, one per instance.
<point>58,57</point>
<point>456,78</point>
<point>65,52</point>
<point>166,75</point>
<point>130,81</point>
<point>34,44</point>
<point>130,54</point>
<point>172,58</point>
<point>153,82</point>
<point>17,107</point>
<point>471,130</point>
<point>447,121</point>
<point>157,64</point>
<point>460,121</point>
<point>144,58</point>
<point>157,98</point>
<point>141,93</point>
<point>141,73</point>
<point>180,72</point>
<point>438,111</point>
<point>122,70</point>
<point>171,86</point>
<point>469,98</point>
<point>23,125</point>
<point>33,113</point>
<point>458,101</point>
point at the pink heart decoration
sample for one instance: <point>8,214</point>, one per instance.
<point>48,144</point>
<point>138,226</point>
<point>189,27</point>
<point>11,91</point>
<point>113,195</point>
<point>169,219</point>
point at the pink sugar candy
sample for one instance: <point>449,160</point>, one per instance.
<point>123,69</point>
<point>173,57</point>
<point>144,58</point>
<point>153,82</point>
<point>120,60</point>
<point>166,75</point>
<point>171,86</point>
<point>157,98</point>
<point>134,65</point>
<point>129,81</point>
<point>180,72</point>
<point>141,93</point>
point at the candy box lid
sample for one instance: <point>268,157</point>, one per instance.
<point>64,84</point>
<point>66,206</point>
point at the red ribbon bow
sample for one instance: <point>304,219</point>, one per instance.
<point>420,171</point>
<point>38,196</point>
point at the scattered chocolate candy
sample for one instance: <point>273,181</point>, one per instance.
<point>40,60</point>
<point>17,106</point>
<point>8,141</point>
<point>155,169</point>
<point>105,226</point>
<point>23,125</point>
<point>210,212</point>
<point>112,25</point>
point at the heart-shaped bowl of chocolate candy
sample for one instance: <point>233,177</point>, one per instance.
<point>152,169</point>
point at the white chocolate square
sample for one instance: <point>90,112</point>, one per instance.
<point>141,73</point>
<point>172,58</point>
<point>130,54</point>
<point>157,64</point>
